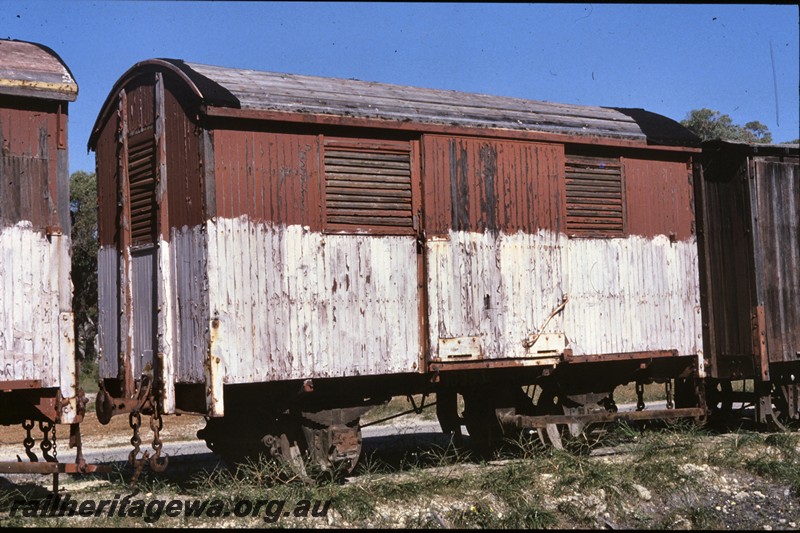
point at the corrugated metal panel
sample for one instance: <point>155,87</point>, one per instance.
<point>185,168</point>
<point>108,310</point>
<point>292,303</point>
<point>189,257</point>
<point>624,295</point>
<point>477,185</point>
<point>368,184</point>
<point>36,321</point>
<point>594,191</point>
<point>29,306</point>
<point>778,186</point>
<point>28,166</point>
<point>659,195</point>
<point>33,70</point>
<point>143,285</point>
<point>268,176</point>
<point>112,324</point>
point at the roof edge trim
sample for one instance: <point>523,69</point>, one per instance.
<point>437,129</point>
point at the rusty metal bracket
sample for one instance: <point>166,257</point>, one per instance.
<point>640,405</point>
<point>759,332</point>
<point>306,388</point>
<point>8,386</point>
<point>532,338</point>
<point>668,391</point>
<point>106,406</point>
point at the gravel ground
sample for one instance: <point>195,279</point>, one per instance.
<point>708,496</point>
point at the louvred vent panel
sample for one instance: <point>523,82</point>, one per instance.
<point>367,187</point>
<point>595,205</point>
<point>142,182</point>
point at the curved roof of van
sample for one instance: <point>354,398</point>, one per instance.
<point>34,70</point>
<point>221,88</point>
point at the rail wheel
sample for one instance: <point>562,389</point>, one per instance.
<point>786,404</point>
<point>577,433</point>
<point>549,404</point>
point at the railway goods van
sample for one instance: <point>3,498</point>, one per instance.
<point>282,252</point>
<point>750,252</point>
<point>38,378</point>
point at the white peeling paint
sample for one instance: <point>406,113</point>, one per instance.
<point>215,370</point>
<point>67,380</point>
<point>294,303</point>
<point>36,330</point>
<point>500,288</point>
<point>165,338</point>
<point>633,295</point>
<point>190,302</point>
<point>625,295</point>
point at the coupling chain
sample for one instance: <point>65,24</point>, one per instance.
<point>668,387</point>
<point>47,445</point>
<point>135,421</point>
<point>28,442</point>
<point>640,396</point>
<point>156,425</point>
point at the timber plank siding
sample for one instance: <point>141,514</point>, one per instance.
<point>751,213</point>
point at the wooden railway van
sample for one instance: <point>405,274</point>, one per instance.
<point>281,252</point>
<point>750,241</point>
<point>37,349</point>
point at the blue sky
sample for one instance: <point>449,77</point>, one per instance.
<point>739,59</point>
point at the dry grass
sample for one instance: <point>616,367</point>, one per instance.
<point>676,477</point>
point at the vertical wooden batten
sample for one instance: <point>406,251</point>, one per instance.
<point>165,295</point>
